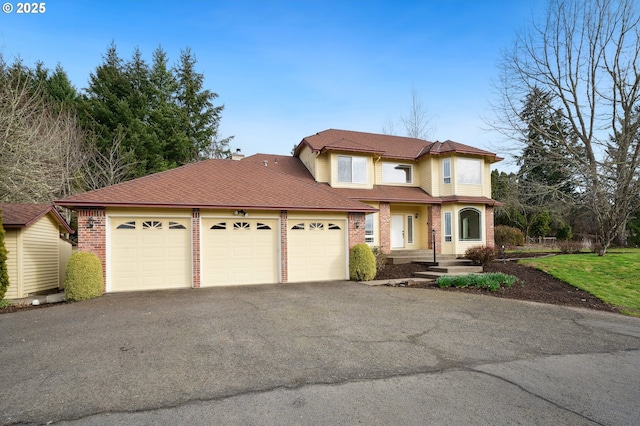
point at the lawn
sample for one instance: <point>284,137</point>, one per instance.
<point>614,278</point>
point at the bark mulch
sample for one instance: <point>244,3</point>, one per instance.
<point>534,286</point>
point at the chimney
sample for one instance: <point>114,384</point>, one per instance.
<point>237,155</point>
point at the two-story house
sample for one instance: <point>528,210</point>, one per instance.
<point>273,219</point>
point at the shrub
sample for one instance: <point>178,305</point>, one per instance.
<point>381,258</point>
<point>491,281</point>
<point>480,255</point>
<point>362,263</point>
<point>4,272</point>
<point>564,233</point>
<point>83,277</point>
<point>570,247</point>
<point>508,236</point>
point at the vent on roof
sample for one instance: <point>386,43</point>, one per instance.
<point>266,163</point>
<point>237,155</point>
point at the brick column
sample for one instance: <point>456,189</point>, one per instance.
<point>92,235</point>
<point>435,222</point>
<point>490,231</point>
<point>284,255</point>
<point>385,227</point>
<point>356,229</point>
<point>195,248</point>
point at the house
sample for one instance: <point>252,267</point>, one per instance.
<point>37,254</point>
<point>272,218</point>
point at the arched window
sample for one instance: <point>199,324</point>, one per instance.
<point>469,225</point>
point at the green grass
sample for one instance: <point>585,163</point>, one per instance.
<point>491,281</point>
<point>614,278</point>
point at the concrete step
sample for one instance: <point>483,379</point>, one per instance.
<point>466,269</point>
<point>435,275</point>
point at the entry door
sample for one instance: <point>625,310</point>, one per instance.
<point>397,231</point>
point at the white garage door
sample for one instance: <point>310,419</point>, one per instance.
<point>239,251</point>
<point>317,250</point>
<point>150,253</point>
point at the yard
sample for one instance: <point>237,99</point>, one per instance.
<point>614,278</point>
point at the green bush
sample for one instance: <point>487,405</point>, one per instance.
<point>491,281</point>
<point>4,272</point>
<point>480,255</point>
<point>564,233</point>
<point>362,263</point>
<point>83,277</point>
<point>508,236</point>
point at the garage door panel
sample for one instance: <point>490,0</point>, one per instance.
<point>243,251</point>
<point>150,253</point>
<point>317,250</point>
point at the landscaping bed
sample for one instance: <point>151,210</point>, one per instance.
<point>538,285</point>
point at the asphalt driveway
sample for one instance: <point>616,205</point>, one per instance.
<point>319,353</point>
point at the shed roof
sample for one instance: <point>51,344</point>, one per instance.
<point>22,215</point>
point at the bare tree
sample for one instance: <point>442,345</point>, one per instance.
<point>585,54</point>
<point>108,168</point>
<point>40,148</point>
<point>417,122</point>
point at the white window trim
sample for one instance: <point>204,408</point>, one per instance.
<point>448,234</point>
<point>446,174</point>
<point>463,175</point>
<point>410,166</point>
<point>410,230</point>
<point>461,229</point>
<point>352,158</point>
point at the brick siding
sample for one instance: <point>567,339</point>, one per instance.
<point>435,222</point>
<point>489,219</point>
<point>385,227</point>
<point>94,239</point>
<point>284,271</point>
<point>195,239</point>
<point>356,229</point>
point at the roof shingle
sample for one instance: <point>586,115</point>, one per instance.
<point>23,215</point>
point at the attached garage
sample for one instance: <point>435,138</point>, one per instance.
<point>239,250</point>
<point>149,253</point>
<point>317,249</point>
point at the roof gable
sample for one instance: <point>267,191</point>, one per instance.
<point>388,146</point>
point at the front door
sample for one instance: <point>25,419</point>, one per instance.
<point>397,231</point>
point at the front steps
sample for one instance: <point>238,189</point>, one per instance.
<point>398,257</point>
<point>447,264</point>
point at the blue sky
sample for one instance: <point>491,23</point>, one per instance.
<point>288,69</point>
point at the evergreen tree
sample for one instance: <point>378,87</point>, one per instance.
<point>200,117</point>
<point>4,272</point>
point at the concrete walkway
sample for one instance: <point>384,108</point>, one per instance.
<point>318,353</point>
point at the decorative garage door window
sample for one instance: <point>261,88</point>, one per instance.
<point>262,226</point>
<point>127,225</point>
<point>316,226</point>
<point>333,226</point>
<point>221,225</point>
<point>176,225</point>
<point>241,226</point>
<point>151,224</point>
<point>298,227</point>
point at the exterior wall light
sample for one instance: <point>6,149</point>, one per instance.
<point>91,222</point>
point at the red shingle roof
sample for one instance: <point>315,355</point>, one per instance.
<point>24,215</point>
<point>398,194</point>
<point>387,146</point>
<point>231,184</point>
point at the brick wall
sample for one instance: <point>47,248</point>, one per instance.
<point>385,227</point>
<point>489,219</point>
<point>356,229</point>
<point>435,222</point>
<point>93,239</point>
<point>195,239</point>
<point>284,271</point>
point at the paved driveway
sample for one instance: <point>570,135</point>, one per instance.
<point>320,353</point>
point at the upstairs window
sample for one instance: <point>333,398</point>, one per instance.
<point>446,170</point>
<point>469,171</point>
<point>397,173</point>
<point>352,169</point>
